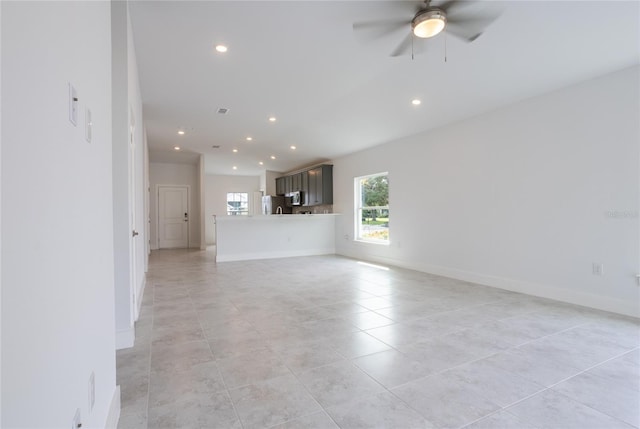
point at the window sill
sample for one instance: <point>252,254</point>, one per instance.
<point>379,243</point>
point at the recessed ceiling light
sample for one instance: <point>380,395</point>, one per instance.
<point>181,132</point>
<point>221,48</point>
<point>235,151</point>
<point>261,163</point>
<point>273,157</point>
<point>272,119</point>
<point>249,138</point>
<point>235,168</point>
<point>293,147</point>
<point>176,147</point>
<point>416,102</point>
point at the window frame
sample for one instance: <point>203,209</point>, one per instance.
<point>237,213</point>
<point>359,207</point>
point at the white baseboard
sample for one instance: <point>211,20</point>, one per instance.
<point>114,410</point>
<point>273,255</point>
<point>125,338</point>
<point>544,291</point>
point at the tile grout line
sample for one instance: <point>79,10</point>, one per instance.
<point>224,382</point>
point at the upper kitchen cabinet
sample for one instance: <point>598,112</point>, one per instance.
<point>296,182</point>
<point>316,185</point>
<point>320,185</point>
<point>281,186</point>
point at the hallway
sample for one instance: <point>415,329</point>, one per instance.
<point>326,342</point>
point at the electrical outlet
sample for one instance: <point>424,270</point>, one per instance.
<point>92,391</point>
<point>597,269</point>
<point>76,423</point>
<point>346,236</point>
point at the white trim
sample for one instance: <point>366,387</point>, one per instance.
<point>557,293</point>
<point>358,208</point>
<point>125,338</point>
<point>139,295</point>
<point>114,410</point>
<point>273,255</point>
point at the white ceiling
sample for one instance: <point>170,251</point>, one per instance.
<point>334,92</point>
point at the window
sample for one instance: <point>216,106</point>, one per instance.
<point>372,208</point>
<point>237,203</point>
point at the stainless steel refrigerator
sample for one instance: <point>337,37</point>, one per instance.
<point>275,204</point>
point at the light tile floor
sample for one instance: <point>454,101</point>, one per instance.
<point>325,342</point>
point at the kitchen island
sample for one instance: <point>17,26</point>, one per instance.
<point>240,238</point>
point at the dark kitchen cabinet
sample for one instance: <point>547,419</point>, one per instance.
<point>304,187</point>
<point>288,184</point>
<point>280,186</point>
<point>316,185</point>
<point>296,182</point>
<point>320,185</point>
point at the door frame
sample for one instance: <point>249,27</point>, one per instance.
<point>157,190</point>
<point>133,270</point>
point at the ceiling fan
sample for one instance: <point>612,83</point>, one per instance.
<point>429,21</point>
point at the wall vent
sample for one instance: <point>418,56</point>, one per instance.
<point>223,111</point>
<point>216,146</point>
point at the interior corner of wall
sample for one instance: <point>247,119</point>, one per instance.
<point>114,409</point>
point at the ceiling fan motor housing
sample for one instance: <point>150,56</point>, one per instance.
<point>429,22</point>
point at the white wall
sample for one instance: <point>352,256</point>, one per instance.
<point>202,186</point>
<point>175,174</point>
<point>216,188</point>
<point>0,218</point>
<point>518,198</point>
<point>57,281</point>
<point>270,182</point>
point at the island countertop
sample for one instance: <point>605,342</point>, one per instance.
<point>274,216</point>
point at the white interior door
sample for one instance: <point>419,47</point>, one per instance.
<point>132,211</point>
<point>173,217</point>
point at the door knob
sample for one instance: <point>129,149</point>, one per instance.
<point>134,233</point>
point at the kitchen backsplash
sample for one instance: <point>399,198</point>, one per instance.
<point>320,209</point>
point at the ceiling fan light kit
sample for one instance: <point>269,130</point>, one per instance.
<point>429,23</point>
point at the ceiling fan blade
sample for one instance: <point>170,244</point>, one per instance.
<point>477,20</point>
<point>469,28</point>
<point>403,46</point>
<point>465,36</point>
<point>377,29</point>
<point>451,6</point>
<point>382,23</point>
<point>464,33</point>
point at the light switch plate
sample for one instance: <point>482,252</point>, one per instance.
<point>597,269</point>
<point>73,105</point>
